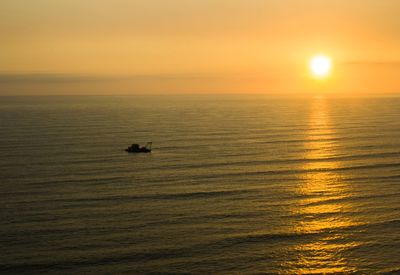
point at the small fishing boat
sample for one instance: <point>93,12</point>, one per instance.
<point>135,148</point>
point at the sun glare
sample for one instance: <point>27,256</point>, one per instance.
<point>320,66</point>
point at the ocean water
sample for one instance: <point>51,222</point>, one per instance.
<point>235,184</point>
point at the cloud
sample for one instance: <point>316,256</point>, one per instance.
<point>37,78</point>
<point>47,78</point>
<point>373,63</point>
<point>60,84</point>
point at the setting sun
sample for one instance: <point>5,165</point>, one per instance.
<point>320,66</point>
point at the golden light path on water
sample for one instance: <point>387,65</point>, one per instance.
<point>322,206</point>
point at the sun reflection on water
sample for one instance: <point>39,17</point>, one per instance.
<point>322,201</point>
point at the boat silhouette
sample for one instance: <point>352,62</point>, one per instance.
<point>135,148</point>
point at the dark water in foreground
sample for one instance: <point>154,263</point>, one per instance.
<point>235,184</point>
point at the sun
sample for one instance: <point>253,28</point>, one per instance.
<point>320,66</point>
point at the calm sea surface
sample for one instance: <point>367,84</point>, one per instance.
<point>233,185</point>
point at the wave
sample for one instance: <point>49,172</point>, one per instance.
<point>298,171</point>
<point>84,201</point>
<point>181,166</point>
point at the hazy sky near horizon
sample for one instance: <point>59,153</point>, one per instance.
<point>197,46</point>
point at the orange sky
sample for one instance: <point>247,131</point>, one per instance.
<point>197,46</point>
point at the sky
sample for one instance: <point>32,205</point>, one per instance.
<point>54,47</point>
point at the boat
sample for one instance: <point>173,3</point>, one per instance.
<point>135,148</point>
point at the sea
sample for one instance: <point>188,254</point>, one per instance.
<point>235,184</point>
